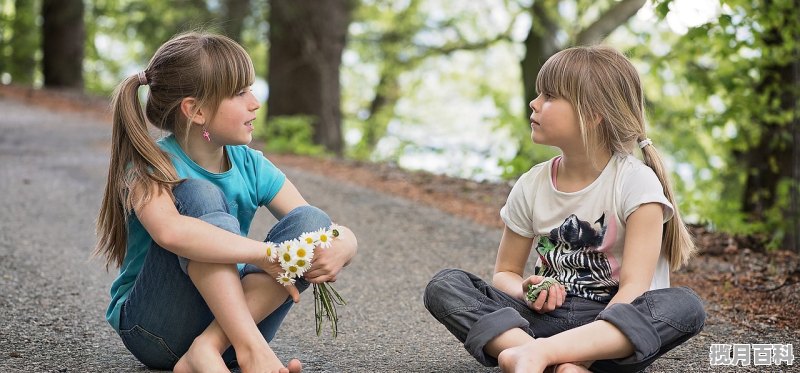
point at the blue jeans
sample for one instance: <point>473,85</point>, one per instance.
<point>164,311</point>
<point>476,312</point>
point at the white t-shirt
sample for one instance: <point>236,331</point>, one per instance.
<point>580,236</point>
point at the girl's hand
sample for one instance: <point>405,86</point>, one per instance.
<point>326,264</point>
<point>548,300</point>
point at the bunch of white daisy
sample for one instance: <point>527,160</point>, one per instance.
<point>295,258</point>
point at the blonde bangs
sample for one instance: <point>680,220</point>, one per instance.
<point>229,70</point>
<point>560,76</point>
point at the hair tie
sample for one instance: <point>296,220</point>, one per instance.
<point>644,143</point>
<point>142,78</point>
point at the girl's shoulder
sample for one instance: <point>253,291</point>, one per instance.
<point>632,169</point>
<point>246,153</point>
<point>538,171</point>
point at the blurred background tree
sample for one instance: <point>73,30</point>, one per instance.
<point>388,80</point>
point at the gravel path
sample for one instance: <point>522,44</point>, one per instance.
<point>53,297</point>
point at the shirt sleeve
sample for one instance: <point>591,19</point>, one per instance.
<point>517,213</point>
<point>270,179</point>
<point>641,186</point>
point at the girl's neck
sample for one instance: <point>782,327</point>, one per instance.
<point>577,170</point>
<point>207,155</point>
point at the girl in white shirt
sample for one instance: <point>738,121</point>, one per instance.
<point>606,230</point>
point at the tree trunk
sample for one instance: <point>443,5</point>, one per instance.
<point>63,37</point>
<point>775,158</point>
<point>235,13</point>
<point>381,112</point>
<point>539,46</point>
<point>307,38</point>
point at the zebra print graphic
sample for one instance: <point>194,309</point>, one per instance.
<point>572,254</point>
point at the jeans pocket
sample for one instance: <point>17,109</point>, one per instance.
<point>148,348</point>
<point>678,307</point>
<point>447,295</point>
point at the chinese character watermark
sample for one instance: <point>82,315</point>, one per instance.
<point>741,354</point>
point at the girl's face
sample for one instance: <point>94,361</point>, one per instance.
<point>554,123</point>
<point>233,122</point>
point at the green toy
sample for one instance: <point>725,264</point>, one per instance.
<point>534,290</point>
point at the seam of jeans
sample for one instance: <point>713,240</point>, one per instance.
<point>137,329</point>
<point>663,318</point>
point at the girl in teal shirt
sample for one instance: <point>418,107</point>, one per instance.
<point>193,292</point>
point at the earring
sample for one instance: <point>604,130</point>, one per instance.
<point>206,135</point>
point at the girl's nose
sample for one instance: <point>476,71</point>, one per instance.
<point>532,105</point>
<point>254,105</point>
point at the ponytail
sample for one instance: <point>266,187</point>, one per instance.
<point>206,67</point>
<point>137,165</point>
<point>678,242</point>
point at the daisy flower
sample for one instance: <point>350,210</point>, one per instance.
<point>324,237</point>
<point>335,229</point>
<point>308,238</point>
<point>285,280</point>
<point>293,270</point>
<point>272,251</point>
<point>303,251</point>
<point>295,257</point>
<point>285,251</point>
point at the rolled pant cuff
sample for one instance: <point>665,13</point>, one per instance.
<point>488,327</point>
<point>638,328</point>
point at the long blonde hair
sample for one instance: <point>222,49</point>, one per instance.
<point>600,82</point>
<point>208,68</point>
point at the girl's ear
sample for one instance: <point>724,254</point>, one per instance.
<point>190,110</point>
<point>597,120</point>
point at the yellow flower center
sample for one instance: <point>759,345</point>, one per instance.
<point>309,240</point>
<point>293,269</point>
<point>301,253</point>
<point>301,263</point>
<point>287,257</point>
<point>323,238</point>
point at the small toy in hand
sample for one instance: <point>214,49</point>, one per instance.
<point>534,290</point>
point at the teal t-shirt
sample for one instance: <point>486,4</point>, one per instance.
<point>252,181</point>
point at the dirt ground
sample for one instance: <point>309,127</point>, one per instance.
<point>741,282</point>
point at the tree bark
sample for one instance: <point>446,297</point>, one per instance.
<point>776,158</point>
<point>235,13</point>
<point>618,14</point>
<point>63,38</point>
<point>539,46</point>
<point>307,38</point>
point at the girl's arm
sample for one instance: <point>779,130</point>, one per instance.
<point>287,199</point>
<point>510,264</point>
<point>193,238</point>
<point>327,262</point>
<point>642,249</point>
<point>509,268</point>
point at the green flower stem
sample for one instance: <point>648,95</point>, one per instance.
<point>326,298</point>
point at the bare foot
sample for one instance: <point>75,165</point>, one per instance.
<point>294,366</point>
<point>201,358</point>
<point>527,358</point>
<point>261,360</point>
<point>572,368</point>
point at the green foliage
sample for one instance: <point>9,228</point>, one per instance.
<point>723,103</point>
<point>19,47</point>
<point>290,134</point>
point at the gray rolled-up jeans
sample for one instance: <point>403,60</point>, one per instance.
<point>476,312</point>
